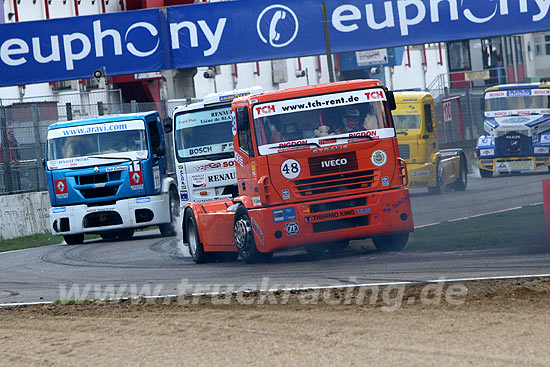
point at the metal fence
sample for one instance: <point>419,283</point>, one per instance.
<point>23,127</point>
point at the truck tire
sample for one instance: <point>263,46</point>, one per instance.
<point>392,242</point>
<point>485,173</point>
<point>244,239</point>
<point>193,240</point>
<point>462,181</point>
<point>169,229</point>
<point>74,239</point>
<point>437,189</point>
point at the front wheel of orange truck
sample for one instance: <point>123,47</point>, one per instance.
<point>244,239</point>
<point>392,242</point>
<point>193,240</point>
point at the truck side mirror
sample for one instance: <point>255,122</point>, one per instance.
<point>391,100</point>
<point>167,125</point>
<point>429,118</point>
<point>243,122</point>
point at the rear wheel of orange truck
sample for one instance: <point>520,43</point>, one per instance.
<point>244,239</point>
<point>193,240</point>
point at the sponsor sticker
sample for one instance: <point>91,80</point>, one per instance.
<point>184,195</point>
<point>60,187</point>
<point>292,228</point>
<point>198,179</point>
<point>545,138</point>
<point>143,200</point>
<point>363,211</point>
<point>379,158</point>
<point>286,194</point>
<point>239,159</point>
<point>256,228</point>
<point>541,150</point>
<point>117,169</point>
<point>60,209</point>
<point>156,177</point>
<point>284,215</point>
<point>385,181</point>
<point>256,201</point>
<point>420,173</point>
<point>291,169</point>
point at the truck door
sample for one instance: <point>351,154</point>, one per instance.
<point>158,153</point>
<point>430,134</point>
<point>244,151</point>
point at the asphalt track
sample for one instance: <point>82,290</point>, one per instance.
<point>151,265</point>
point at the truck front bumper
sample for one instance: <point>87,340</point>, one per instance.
<point>125,213</point>
<point>513,164</point>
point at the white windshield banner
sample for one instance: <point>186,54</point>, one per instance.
<point>106,127</point>
<point>327,141</point>
<point>517,93</point>
<point>318,102</point>
<point>112,158</point>
<point>198,118</point>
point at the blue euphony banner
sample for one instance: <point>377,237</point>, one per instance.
<point>241,31</point>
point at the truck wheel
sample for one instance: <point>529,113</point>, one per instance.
<point>244,239</point>
<point>169,229</point>
<point>462,181</point>
<point>193,240</point>
<point>434,190</point>
<point>485,173</point>
<point>392,242</point>
<point>74,239</point>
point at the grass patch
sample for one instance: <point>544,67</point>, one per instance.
<point>512,228</point>
<point>35,240</point>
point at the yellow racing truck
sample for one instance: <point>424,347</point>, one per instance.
<point>416,128</point>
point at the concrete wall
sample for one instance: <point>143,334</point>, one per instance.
<point>23,214</point>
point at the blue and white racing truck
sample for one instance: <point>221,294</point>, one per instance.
<point>203,144</point>
<point>517,129</point>
<point>107,175</point>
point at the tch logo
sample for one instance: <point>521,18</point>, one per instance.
<point>61,187</point>
<point>375,95</point>
<point>136,178</point>
<point>277,25</point>
<point>265,109</point>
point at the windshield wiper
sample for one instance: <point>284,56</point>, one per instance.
<point>111,158</point>
<point>297,145</point>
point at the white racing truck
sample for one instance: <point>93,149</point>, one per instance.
<point>203,147</point>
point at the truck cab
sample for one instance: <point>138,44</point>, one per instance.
<point>108,176</point>
<point>317,166</point>
<point>517,129</point>
<point>203,147</point>
<point>416,127</point>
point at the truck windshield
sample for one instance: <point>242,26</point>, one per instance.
<point>517,102</point>
<point>347,114</point>
<point>204,134</point>
<point>405,122</point>
<point>107,139</point>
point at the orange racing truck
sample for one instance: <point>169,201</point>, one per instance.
<point>317,166</point>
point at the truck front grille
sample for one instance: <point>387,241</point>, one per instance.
<point>404,151</point>
<point>334,183</point>
<point>97,178</point>
<point>99,192</point>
